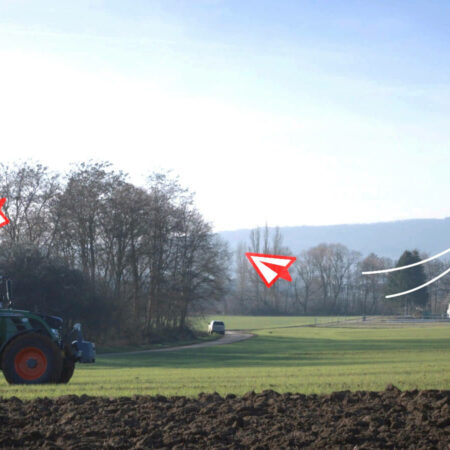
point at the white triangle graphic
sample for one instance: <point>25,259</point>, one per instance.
<point>266,272</point>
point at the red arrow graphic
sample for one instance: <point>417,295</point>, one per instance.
<point>281,271</point>
<point>3,219</point>
<point>271,267</point>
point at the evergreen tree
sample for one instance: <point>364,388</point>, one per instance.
<point>407,279</point>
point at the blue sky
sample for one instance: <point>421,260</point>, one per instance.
<point>286,112</point>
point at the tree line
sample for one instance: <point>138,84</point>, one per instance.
<point>327,279</point>
<point>133,263</point>
<point>129,261</point>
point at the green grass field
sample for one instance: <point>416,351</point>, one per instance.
<point>284,356</point>
<point>257,323</point>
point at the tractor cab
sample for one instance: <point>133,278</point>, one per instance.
<point>33,349</point>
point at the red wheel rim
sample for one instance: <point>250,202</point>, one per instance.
<point>30,363</point>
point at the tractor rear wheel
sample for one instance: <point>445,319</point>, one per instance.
<point>32,358</point>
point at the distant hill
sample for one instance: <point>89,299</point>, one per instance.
<point>384,238</point>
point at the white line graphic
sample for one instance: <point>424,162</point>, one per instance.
<point>421,286</point>
<point>394,269</point>
<point>409,265</point>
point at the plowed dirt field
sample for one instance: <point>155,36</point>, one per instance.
<point>354,420</point>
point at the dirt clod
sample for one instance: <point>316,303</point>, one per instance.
<point>346,420</point>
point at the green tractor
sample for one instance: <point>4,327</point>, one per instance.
<point>32,348</point>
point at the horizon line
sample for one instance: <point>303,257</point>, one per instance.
<point>333,225</point>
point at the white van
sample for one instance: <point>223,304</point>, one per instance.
<point>216,326</point>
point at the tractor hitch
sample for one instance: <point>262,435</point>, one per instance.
<point>82,351</point>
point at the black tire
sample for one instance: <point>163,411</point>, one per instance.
<point>32,358</point>
<point>68,365</point>
<point>67,370</point>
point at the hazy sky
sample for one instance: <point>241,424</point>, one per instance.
<point>286,112</point>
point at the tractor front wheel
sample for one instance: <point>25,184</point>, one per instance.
<point>68,366</point>
<point>32,358</point>
<point>67,370</point>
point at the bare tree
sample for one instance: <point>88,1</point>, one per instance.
<point>78,214</point>
<point>304,281</point>
<point>30,191</point>
<point>371,288</point>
